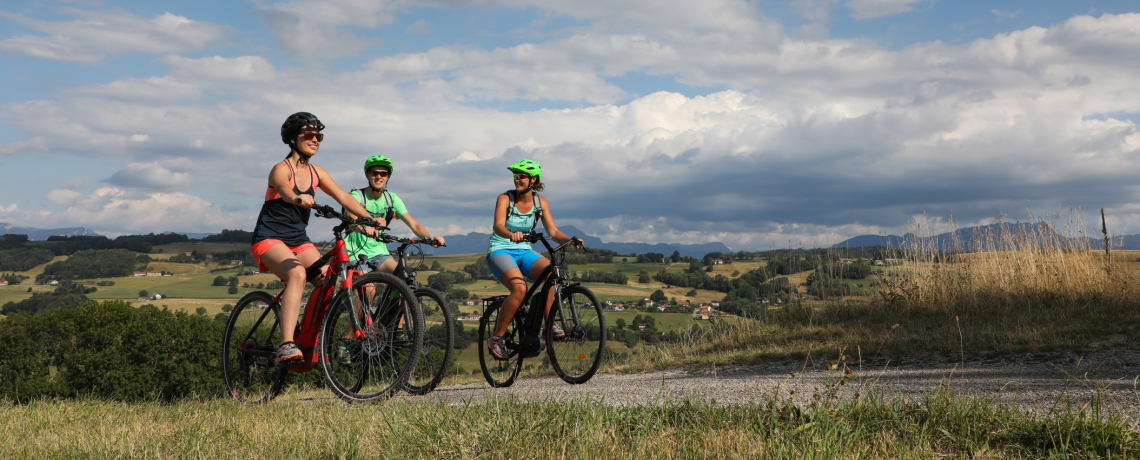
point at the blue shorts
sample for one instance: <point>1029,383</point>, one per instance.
<point>374,263</point>
<point>505,259</point>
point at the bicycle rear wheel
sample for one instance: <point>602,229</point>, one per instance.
<point>576,357</point>
<point>500,373</point>
<point>248,348</point>
<point>376,362</point>
<point>437,351</point>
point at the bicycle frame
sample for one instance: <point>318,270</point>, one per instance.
<point>307,336</point>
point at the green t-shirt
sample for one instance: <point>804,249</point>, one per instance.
<point>357,243</point>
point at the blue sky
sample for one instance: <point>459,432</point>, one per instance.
<point>757,124</point>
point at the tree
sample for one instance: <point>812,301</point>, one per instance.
<point>620,323</point>
<point>233,281</point>
<point>435,266</point>
<point>643,277</point>
<point>232,290</point>
<point>143,293</point>
<point>458,294</point>
<point>220,281</point>
<point>227,308</point>
<point>691,293</point>
<point>676,257</point>
<point>658,296</point>
<point>201,311</point>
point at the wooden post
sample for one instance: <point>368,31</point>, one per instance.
<point>1107,246</point>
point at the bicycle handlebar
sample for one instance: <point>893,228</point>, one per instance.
<point>329,213</point>
<point>388,238</point>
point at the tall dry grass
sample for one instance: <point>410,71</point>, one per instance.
<point>1046,260</point>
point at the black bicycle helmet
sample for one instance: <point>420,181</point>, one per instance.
<point>292,126</point>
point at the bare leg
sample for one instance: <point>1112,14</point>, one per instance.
<point>283,263</point>
<point>515,283</point>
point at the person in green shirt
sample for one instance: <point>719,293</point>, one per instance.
<point>381,203</point>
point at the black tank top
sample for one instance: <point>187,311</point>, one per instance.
<point>281,220</point>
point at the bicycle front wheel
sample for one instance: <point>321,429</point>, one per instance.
<point>438,348</point>
<point>500,373</point>
<point>576,356</point>
<point>248,348</point>
<point>373,362</point>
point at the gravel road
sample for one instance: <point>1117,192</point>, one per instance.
<point>1035,382</point>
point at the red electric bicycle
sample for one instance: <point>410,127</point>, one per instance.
<point>364,331</point>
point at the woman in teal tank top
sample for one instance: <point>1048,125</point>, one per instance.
<point>509,256</point>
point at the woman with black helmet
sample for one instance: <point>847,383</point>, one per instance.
<point>280,243</point>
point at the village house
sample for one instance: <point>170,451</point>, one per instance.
<point>140,273</point>
<point>701,313</point>
<point>235,262</point>
<point>619,307</point>
<point>53,283</point>
<point>846,261</point>
<point>189,253</point>
<point>150,273</point>
<point>879,262</point>
<point>718,261</point>
<point>714,303</point>
<point>661,308</point>
<point>470,301</point>
<point>683,303</point>
<point>3,282</point>
<point>144,299</point>
<point>641,326</point>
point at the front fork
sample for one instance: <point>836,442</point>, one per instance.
<point>557,286</point>
<point>360,321</point>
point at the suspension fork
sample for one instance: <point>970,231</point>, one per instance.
<point>359,320</point>
<point>556,284</point>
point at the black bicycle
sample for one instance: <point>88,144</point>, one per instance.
<point>438,349</point>
<point>576,356</point>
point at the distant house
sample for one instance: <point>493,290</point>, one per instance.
<point>619,307</point>
<point>150,273</point>
<point>846,261</point>
<point>608,303</point>
<point>715,303</point>
<point>661,308</point>
<point>156,297</point>
<point>189,253</point>
<point>879,262</point>
<point>718,261</point>
<point>470,301</point>
<point>53,283</point>
<point>140,273</point>
<point>235,262</point>
<point>3,282</point>
<point>648,303</point>
<point>471,317</point>
<point>701,313</point>
<point>683,303</point>
<point>144,299</point>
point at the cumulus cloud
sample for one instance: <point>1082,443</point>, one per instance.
<point>118,210</point>
<point>815,139</point>
<point>148,176</point>
<point>320,29</point>
<point>93,35</point>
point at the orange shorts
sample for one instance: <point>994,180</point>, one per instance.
<point>259,248</point>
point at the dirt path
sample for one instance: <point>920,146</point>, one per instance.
<point>1034,382</point>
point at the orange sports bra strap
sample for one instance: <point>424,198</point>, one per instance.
<point>316,179</point>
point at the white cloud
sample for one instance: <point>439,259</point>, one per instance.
<point>817,139</point>
<point>95,34</point>
<point>866,9</point>
<point>316,29</point>
<point>419,27</point>
<point>117,210</point>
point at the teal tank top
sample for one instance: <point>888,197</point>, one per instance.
<point>516,222</point>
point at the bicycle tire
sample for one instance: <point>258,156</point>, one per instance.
<point>576,357</point>
<point>377,365</point>
<point>438,349</point>
<point>249,344</point>
<point>499,373</point>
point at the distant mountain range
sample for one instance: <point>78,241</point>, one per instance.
<point>476,243</point>
<point>40,234</point>
<point>964,238</point>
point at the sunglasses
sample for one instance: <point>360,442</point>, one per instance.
<point>380,172</point>
<point>522,176</point>
<point>309,135</point>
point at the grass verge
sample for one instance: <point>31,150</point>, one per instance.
<point>868,427</point>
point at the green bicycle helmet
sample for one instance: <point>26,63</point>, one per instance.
<point>527,167</point>
<point>378,160</point>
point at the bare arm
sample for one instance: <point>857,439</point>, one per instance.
<point>551,229</point>
<point>500,226</point>
<point>419,230</point>
<point>350,204</point>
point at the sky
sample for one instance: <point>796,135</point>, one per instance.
<point>758,124</point>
